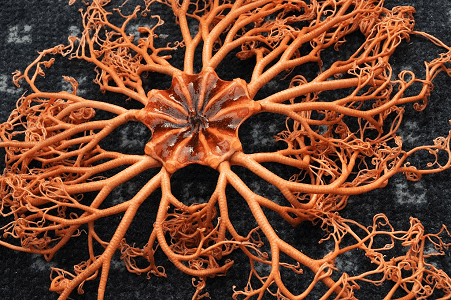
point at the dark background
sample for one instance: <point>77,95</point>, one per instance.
<point>32,25</point>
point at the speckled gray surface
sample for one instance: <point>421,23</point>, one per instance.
<point>32,25</point>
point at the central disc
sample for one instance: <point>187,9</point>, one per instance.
<point>196,120</point>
